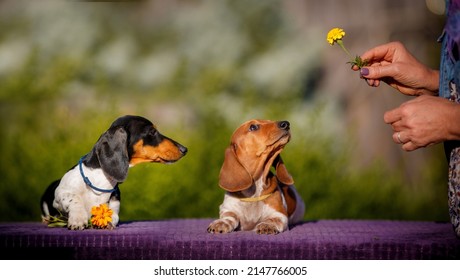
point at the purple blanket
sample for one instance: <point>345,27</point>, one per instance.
<point>188,239</point>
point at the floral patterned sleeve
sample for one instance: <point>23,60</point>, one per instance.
<point>449,87</point>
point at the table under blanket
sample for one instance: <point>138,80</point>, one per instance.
<point>188,239</point>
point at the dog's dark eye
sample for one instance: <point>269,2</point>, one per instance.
<point>253,127</point>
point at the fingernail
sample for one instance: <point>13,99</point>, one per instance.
<point>364,71</point>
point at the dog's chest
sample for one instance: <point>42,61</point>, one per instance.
<point>249,213</point>
<point>72,184</point>
<point>253,213</point>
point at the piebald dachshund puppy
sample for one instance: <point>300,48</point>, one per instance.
<point>130,140</point>
<point>255,198</point>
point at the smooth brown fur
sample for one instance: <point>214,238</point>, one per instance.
<point>256,199</point>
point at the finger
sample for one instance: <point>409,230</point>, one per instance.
<point>355,68</point>
<point>378,72</point>
<point>398,126</point>
<point>409,147</point>
<point>396,139</point>
<point>392,116</point>
<point>370,82</point>
<point>399,138</point>
<point>379,53</point>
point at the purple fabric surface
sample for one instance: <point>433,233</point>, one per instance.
<point>188,239</point>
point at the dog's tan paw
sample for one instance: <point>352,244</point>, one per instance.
<point>267,228</point>
<point>220,226</point>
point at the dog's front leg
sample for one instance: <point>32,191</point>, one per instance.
<point>114,204</point>
<point>274,224</point>
<point>73,205</point>
<point>228,222</point>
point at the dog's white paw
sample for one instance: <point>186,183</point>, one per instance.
<point>115,220</point>
<point>77,220</point>
<point>220,226</point>
<point>267,228</point>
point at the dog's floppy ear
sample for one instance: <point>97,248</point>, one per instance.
<point>233,176</point>
<point>281,171</point>
<point>112,153</point>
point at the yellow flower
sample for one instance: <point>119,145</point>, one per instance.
<point>335,34</point>
<point>101,216</point>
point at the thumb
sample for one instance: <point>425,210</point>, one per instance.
<point>377,72</point>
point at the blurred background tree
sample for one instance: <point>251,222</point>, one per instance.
<point>198,69</point>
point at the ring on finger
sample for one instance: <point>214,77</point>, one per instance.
<point>398,135</point>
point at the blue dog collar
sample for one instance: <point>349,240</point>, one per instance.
<point>88,182</point>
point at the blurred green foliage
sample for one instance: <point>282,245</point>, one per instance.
<point>197,71</point>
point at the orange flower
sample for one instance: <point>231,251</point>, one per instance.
<point>101,216</point>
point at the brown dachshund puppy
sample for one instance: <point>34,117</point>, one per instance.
<point>256,199</point>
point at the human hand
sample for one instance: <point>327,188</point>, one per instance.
<point>393,64</point>
<point>424,121</point>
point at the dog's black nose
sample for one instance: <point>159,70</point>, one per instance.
<point>284,125</point>
<point>183,149</point>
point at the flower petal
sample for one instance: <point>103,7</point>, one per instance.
<point>335,34</point>
<point>101,216</point>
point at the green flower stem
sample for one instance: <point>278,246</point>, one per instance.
<point>353,60</point>
<point>344,49</point>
